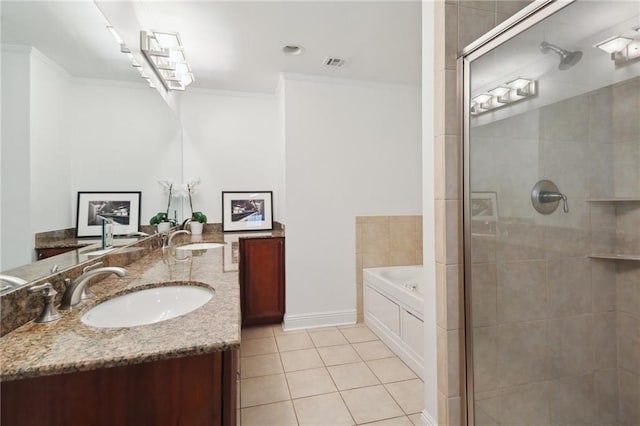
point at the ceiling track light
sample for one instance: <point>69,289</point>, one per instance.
<point>164,52</point>
<point>513,91</point>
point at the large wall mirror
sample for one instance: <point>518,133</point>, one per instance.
<point>76,116</point>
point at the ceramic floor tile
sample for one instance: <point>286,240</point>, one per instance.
<point>373,350</point>
<point>264,345</point>
<point>409,395</point>
<point>303,359</point>
<point>322,410</point>
<point>335,355</point>
<point>277,414</point>
<point>351,376</point>
<point>358,334</point>
<point>371,404</point>
<point>292,342</point>
<point>263,390</point>
<point>257,332</point>
<point>310,382</point>
<point>396,421</point>
<point>327,337</point>
<point>260,365</point>
<point>391,370</point>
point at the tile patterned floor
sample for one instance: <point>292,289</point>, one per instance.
<point>324,377</point>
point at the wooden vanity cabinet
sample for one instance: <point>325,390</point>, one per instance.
<point>190,391</point>
<point>261,270</point>
<point>45,253</point>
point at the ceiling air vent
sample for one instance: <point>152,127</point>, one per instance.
<point>334,61</point>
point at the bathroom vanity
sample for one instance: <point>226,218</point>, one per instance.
<point>178,371</point>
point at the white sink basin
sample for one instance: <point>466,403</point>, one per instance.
<point>147,306</point>
<point>200,246</point>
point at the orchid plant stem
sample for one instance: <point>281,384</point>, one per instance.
<point>169,201</point>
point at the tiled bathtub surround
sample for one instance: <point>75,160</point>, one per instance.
<point>386,241</point>
<point>556,333</point>
<point>457,23</point>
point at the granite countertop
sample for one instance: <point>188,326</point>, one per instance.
<point>68,345</point>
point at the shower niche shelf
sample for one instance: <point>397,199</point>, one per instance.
<point>630,204</point>
<point>613,256</point>
<point>614,200</point>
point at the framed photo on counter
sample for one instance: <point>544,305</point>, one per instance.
<point>121,208</point>
<point>247,211</point>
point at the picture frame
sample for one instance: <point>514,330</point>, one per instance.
<point>484,206</point>
<point>123,208</point>
<point>247,211</point>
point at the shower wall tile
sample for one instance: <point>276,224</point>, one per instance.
<point>454,289</point>
<point>477,4</point>
<point>510,7</point>
<point>628,228</point>
<point>448,366</point>
<point>625,107</point>
<point>472,23</point>
<point>628,342</point>
<point>520,239</point>
<point>571,400</point>
<point>603,227</point>
<point>484,246</point>
<point>485,358</point>
<point>570,346</point>
<point>605,389</point>
<point>568,287</point>
<point>447,168</point>
<point>629,402</point>
<point>484,296</point>
<point>522,353</point>
<point>604,340</point>
<point>567,120</point>
<point>628,288</point>
<point>603,285</point>
<point>568,166</point>
<point>525,405</point>
<point>446,35</point>
<point>626,161</point>
<point>569,235</point>
<point>522,294</point>
<point>600,116</point>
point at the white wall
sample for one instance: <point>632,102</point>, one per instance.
<point>50,146</point>
<point>124,138</point>
<point>17,243</point>
<point>231,142</point>
<point>352,149</point>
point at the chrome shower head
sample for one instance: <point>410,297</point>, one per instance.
<point>567,59</point>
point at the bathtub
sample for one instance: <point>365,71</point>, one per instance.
<point>393,310</point>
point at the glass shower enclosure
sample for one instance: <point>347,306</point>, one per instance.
<point>551,125</point>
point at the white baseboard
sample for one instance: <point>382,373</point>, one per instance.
<point>319,319</point>
<point>427,420</point>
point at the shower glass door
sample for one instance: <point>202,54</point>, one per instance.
<point>552,219</point>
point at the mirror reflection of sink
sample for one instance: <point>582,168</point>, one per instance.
<point>200,246</point>
<point>117,242</point>
<point>147,306</point>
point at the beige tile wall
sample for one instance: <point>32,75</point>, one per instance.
<point>547,325</point>
<point>458,22</point>
<point>386,241</point>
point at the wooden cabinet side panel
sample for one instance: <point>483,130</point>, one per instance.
<point>262,280</point>
<point>183,391</point>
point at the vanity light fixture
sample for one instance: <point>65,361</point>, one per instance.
<point>125,49</point>
<point>164,52</point>
<point>623,49</point>
<point>513,91</point>
<point>613,44</point>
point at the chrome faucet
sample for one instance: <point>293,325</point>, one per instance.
<point>72,295</point>
<point>14,281</point>
<point>169,238</point>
